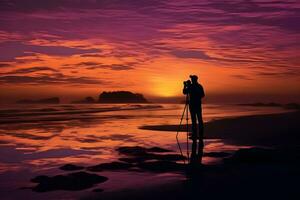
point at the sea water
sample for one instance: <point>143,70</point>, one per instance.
<point>38,139</point>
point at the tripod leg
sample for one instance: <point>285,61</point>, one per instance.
<point>185,107</point>
<point>182,116</point>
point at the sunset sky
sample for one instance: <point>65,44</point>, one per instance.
<point>241,50</point>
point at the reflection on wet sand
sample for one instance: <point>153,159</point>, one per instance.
<point>41,139</point>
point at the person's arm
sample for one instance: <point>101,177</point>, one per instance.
<point>202,91</point>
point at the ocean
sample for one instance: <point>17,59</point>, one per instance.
<point>38,139</point>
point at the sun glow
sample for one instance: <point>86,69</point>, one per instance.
<point>166,87</point>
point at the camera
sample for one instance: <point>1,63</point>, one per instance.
<point>187,83</point>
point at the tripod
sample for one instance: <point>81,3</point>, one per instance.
<point>184,113</point>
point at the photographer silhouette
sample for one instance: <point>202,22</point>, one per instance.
<point>196,93</point>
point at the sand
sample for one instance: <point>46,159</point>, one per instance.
<point>270,130</point>
<point>271,172</point>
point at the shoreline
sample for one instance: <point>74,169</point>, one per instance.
<point>267,129</point>
<point>249,173</point>
<point>272,130</point>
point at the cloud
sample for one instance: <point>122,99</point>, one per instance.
<point>284,73</point>
<point>115,67</point>
<point>5,65</point>
<point>88,63</point>
<point>273,13</point>
<point>118,67</point>
<point>28,136</point>
<point>201,55</point>
<point>96,65</point>
<point>195,54</point>
<point>30,70</point>
<point>243,77</point>
<point>57,78</point>
<point>10,50</point>
<point>238,34</point>
<point>49,5</point>
<point>90,55</point>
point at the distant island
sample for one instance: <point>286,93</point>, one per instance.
<point>52,100</point>
<point>121,97</point>
<point>87,100</point>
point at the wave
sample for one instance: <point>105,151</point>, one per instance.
<point>65,112</point>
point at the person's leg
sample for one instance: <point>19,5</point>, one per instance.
<point>194,157</point>
<point>194,135</point>
<point>194,123</point>
<point>201,130</point>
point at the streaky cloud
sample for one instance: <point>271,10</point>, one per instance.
<point>50,79</point>
<point>195,54</point>
<point>97,65</point>
<point>30,70</point>
<point>10,50</point>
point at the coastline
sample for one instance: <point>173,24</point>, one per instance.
<point>250,173</point>
<point>130,163</point>
<point>268,129</point>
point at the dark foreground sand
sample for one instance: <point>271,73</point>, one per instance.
<point>255,173</point>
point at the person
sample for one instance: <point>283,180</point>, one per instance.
<point>195,92</point>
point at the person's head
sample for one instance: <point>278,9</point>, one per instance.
<point>194,78</point>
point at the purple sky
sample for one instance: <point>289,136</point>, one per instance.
<point>236,46</point>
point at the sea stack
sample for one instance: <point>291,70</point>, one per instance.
<point>121,97</point>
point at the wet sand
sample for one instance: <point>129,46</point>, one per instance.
<point>261,181</point>
<point>105,155</point>
<point>270,130</point>
<point>269,172</point>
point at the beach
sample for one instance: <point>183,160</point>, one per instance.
<point>133,152</point>
<point>99,99</point>
<point>268,130</point>
<point>268,172</point>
